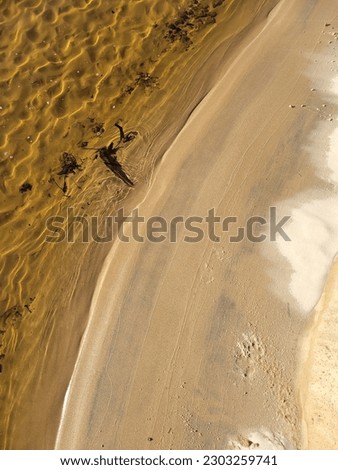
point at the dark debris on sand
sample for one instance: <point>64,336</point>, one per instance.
<point>69,164</point>
<point>146,80</point>
<point>25,187</point>
<point>192,19</point>
<point>108,154</point>
<point>98,128</point>
<point>9,319</point>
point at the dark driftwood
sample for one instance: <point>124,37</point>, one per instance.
<point>108,155</point>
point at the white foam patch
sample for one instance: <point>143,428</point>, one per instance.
<point>334,86</point>
<point>313,230</point>
<point>313,227</point>
<point>332,156</point>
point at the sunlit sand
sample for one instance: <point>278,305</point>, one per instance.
<point>209,345</point>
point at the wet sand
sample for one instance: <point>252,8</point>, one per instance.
<point>92,66</point>
<point>187,345</point>
<point>201,343</point>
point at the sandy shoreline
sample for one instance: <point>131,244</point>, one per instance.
<point>187,330</point>
<point>206,345</point>
<point>61,279</point>
<point>319,380</point>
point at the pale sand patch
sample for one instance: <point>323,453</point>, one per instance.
<point>313,230</point>
<point>332,156</point>
<point>320,377</point>
<point>255,440</point>
<point>334,87</point>
<point>313,224</point>
<point>320,381</point>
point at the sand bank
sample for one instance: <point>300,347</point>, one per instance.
<point>313,227</point>
<point>125,64</point>
<point>319,378</point>
<point>189,346</point>
<point>320,382</point>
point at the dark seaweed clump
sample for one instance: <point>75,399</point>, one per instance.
<point>98,128</point>
<point>194,18</point>
<point>69,164</point>
<point>146,80</point>
<point>25,187</point>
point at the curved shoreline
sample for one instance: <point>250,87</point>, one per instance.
<point>177,332</point>
<point>49,338</point>
<point>165,340</point>
<point>263,353</point>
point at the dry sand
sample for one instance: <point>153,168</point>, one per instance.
<point>320,382</point>
<point>320,354</point>
<point>189,345</point>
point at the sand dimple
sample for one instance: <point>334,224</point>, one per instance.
<point>249,354</point>
<point>254,440</point>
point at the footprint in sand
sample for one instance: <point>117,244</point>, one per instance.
<point>249,353</point>
<point>207,275</point>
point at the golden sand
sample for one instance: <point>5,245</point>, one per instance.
<point>191,347</point>
<point>182,346</point>
<point>68,70</point>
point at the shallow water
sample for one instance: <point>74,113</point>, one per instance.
<point>69,72</point>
